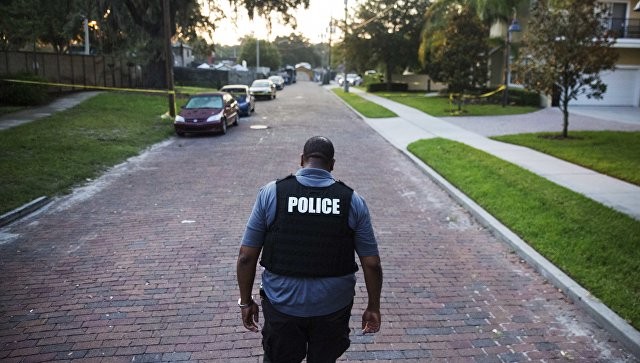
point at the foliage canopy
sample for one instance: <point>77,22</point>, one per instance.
<point>565,48</point>
<point>126,27</point>
<point>386,33</point>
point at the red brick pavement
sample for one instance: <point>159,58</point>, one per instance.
<point>143,269</point>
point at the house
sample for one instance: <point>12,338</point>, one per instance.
<point>182,54</point>
<point>623,83</point>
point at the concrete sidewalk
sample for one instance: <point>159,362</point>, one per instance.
<point>412,125</point>
<point>31,114</point>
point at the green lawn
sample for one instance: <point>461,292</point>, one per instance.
<point>595,245</point>
<point>51,155</point>
<point>441,106</point>
<point>613,153</point>
<point>365,107</point>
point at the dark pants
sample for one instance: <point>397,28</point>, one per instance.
<point>287,338</point>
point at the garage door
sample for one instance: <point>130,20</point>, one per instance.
<point>623,89</point>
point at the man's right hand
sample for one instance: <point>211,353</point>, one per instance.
<point>371,321</point>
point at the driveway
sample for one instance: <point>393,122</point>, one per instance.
<point>550,120</point>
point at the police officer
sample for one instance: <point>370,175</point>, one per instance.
<point>307,227</point>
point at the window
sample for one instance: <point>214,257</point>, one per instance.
<point>616,18</point>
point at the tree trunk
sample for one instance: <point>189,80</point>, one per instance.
<point>154,73</point>
<point>389,71</point>
<point>565,114</point>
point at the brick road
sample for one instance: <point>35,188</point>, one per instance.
<point>140,266</point>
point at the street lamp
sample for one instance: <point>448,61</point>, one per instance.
<point>514,27</point>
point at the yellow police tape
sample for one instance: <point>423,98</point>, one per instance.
<point>168,92</point>
<point>501,88</point>
<point>452,96</point>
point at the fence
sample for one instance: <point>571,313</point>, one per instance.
<point>85,70</point>
<point>107,71</point>
<point>211,78</point>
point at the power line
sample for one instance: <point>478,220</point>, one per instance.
<point>372,19</point>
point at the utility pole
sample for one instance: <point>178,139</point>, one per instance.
<point>328,79</point>
<point>344,79</point>
<point>168,58</point>
<point>257,54</point>
<point>85,24</point>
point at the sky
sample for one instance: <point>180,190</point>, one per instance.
<point>313,23</point>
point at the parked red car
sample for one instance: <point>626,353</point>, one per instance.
<point>207,112</point>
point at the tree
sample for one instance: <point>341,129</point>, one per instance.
<point>187,17</point>
<point>226,52</point>
<point>51,22</point>
<point>387,33</point>
<point>434,33</point>
<point>269,54</point>
<point>131,27</point>
<point>489,11</point>
<point>296,49</point>
<point>16,24</point>
<point>461,60</point>
<point>566,47</point>
<point>201,49</point>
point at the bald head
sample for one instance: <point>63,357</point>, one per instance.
<point>318,153</point>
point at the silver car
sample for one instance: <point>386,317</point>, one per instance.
<point>278,81</point>
<point>263,88</point>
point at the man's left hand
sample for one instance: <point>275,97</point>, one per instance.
<point>250,317</point>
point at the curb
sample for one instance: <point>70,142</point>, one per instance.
<point>23,210</point>
<point>602,314</point>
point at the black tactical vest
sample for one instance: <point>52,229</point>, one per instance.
<point>310,236</point>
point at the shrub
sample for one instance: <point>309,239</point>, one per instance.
<point>395,87</point>
<point>523,97</point>
<point>23,94</point>
<point>372,78</point>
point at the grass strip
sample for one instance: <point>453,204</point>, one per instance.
<point>365,107</point>
<point>595,245</point>
<point>441,107</point>
<point>614,153</point>
<point>51,155</point>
